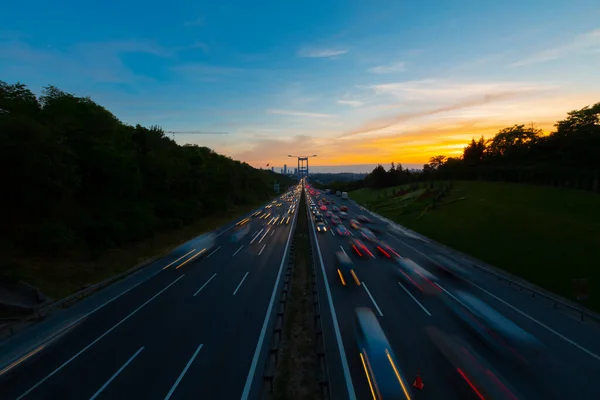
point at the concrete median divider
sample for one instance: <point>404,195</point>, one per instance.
<point>296,367</point>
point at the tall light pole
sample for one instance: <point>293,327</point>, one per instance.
<point>302,165</point>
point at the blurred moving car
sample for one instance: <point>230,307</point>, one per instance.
<point>329,214</point>
<point>417,276</point>
<point>319,217</point>
<point>342,230</point>
<point>354,224</point>
<point>478,374</point>
<point>386,250</point>
<point>321,227</point>
<point>343,215</point>
<point>240,232</point>
<point>363,218</point>
<point>336,220</point>
<point>385,378</point>
<point>360,248</point>
<point>368,235</point>
<point>335,208</point>
<point>497,331</point>
<point>344,208</point>
<point>449,266</point>
<point>346,269</point>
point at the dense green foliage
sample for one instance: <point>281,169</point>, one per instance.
<point>75,176</point>
<point>568,156</point>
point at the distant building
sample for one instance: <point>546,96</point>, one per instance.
<point>273,169</point>
<point>282,170</point>
<point>285,168</point>
<point>295,171</point>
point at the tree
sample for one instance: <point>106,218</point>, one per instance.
<point>437,161</point>
<point>473,152</point>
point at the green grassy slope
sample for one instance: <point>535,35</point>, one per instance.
<point>546,235</point>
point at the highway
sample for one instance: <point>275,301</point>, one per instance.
<point>189,326</point>
<point>570,370</point>
<point>197,324</point>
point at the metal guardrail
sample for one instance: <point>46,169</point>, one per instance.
<point>66,301</point>
<point>557,303</point>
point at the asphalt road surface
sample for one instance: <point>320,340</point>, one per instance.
<point>189,326</point>
<point>570,371</point>
<point>196,325</point>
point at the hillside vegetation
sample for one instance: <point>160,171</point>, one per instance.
<point>78,180</point>
<point>546,235</point>
<point>524,200</point>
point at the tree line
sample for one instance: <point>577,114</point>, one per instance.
<point>75,176</point>
<point>568,156</point>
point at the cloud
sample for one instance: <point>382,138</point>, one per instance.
<point>387,69</point>
<point>353,103</point>
<point>311,52</point>
<point>274,151</point>
<point>298,113</point>
<point>197,45</point>
<point>586,43</point>
<point>198,22</point>
<point>438,97</point>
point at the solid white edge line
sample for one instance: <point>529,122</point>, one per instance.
<point>183,372</point>
<point>566,339</point>
<point>261,250</point>
<point>205,283</point>
<point>261,337</point>
<point>372,299</point>
<point>116,374</point>
<point>416,301</point>
<point>96,340</point>
<point>214,251</point>
<point>272,233</point>
<point>336,327</point>
<point>237,251</point>
<point>240,284</point>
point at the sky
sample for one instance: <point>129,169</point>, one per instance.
<point>355,82</point>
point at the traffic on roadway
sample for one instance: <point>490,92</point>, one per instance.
<point>407,320</point>
<point>401,317</point>
<point>190,326</point>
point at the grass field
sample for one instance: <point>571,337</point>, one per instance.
<point>58,278</point>
<point>546,235</point>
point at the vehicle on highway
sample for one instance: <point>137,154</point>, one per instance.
<point>342,230</point>
<point>343,215</point>
<point>384,375</point>
<point>367,235</point>
<point>386,250</point>
<point>359,248</point>
<point>335,208</point>
<point>418,277</point>
<point>323,208</point>
<point>240,232</point>
<point>338,193</point>
<point>354,224</point>
<point>499,332</point>
<point>478,374</point>
<point>336,220</point>
<point>319,218</point>
<point>344,208</point>
<point>205,242</point>
<point>449,266</point>
<point>328,214</point>
<point>364,219</point>
<point>345,195</point>
<point>345,269</point>
<point>321,227</point>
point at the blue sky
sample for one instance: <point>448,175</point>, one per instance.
<point>357,82</point>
